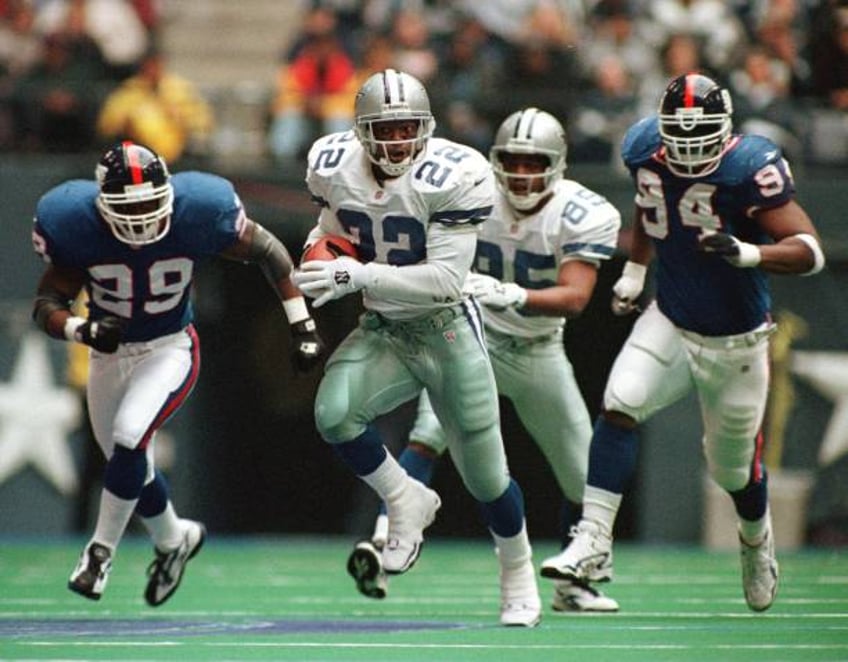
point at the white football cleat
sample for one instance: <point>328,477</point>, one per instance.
<point>166,571</point>
<point>588,556</point>
<point>366,567</point>
<point>412,511</point>
<point>92,571</point>
<point>520,602</point>
<point>575,596</point>
<point>759,571</point>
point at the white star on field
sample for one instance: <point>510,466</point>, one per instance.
<point>36,417</point>
<point>827,372</point>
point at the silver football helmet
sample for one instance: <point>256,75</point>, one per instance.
<point>529,131</point>
<point>389,96</point>
<point>136,197</point>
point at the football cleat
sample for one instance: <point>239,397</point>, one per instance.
<point>588,556</point>
<point>759,571</point>
<point>521,605</point>
<point>366,567</point>
<point>409,514</point>
<point>166,571</point>
<point>92,571</point>
<point>574,595</point>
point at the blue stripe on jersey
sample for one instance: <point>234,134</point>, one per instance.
<point>585,247</point>
<point>460,216</point>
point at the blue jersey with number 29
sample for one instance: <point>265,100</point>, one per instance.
<point>148,286</point>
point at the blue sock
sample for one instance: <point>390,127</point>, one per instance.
<point>752,500</point>
<point>363,454</point>
<point>612,456</point>
<point>505,515</point>
<point>125,472</point>
<point>419,463</point>
<point>154,497</point>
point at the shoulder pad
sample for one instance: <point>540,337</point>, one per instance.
<point>641,141</point>
<point>331,152</point>
<point>67,201</point>
<point>446,165</point>
<point>202,191</point>
<point>752,153</point>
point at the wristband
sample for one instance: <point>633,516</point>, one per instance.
<point>749,255</point>
<point>815,247</point>
<point>522,298</point>
<point>71,325</point>
<point>635,271</point>
<point>296,310</point>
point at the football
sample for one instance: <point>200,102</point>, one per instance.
<point>329,247</point>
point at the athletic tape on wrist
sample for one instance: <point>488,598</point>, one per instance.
<point>71,325</point>
<point>296,310</point>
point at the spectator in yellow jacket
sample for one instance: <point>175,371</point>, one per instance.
<point>157,108</point>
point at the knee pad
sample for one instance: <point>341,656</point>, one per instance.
<point>482,464</point>
<point>333,416</point>
<point>125,472</point>
<point>154,497</point>
<point>626,393</point>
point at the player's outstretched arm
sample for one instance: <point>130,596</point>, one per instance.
<point>258,246</point>
<point>796,248</point>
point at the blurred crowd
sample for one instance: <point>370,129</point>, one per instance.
<point>75,74</point>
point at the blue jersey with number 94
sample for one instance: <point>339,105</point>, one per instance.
<point>147,286</point>
<point>697,291</point>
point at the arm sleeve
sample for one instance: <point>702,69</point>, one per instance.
<point>450,251</point>
<point>269,254</point>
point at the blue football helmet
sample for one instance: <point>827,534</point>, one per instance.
<point>136,196</point>
<point>695,124</point>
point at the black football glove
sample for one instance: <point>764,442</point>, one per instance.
<point>104,334</point>
<point>307,346</point>
<point>736,252</point>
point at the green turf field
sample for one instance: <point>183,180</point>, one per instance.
<point>289,598</point>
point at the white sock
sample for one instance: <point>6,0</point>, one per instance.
<point>515,550</point>
<point>112,519</point>
<point>754,532</point>
<point>387,480</point>
<point>165,529</point>
<point>601,506</point>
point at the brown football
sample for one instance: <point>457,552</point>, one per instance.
<point>329,247</point>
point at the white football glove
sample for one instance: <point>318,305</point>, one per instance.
<point>738,253</point>
<point>494,294</point>
<point>628,288</point>
<point>325,280</point>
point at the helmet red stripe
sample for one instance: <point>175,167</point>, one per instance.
<point>133,162</point>
<point>689,91</point>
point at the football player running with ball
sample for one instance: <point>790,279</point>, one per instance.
<point>413,205</point>
<point>718,210</point>
<point>536,265</point>
<point>132,239</point>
